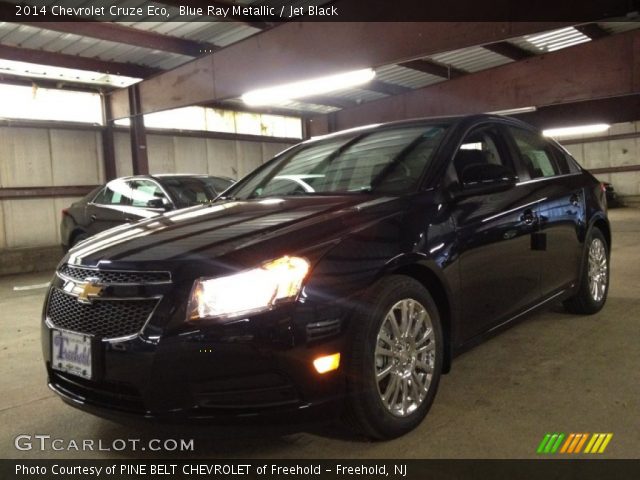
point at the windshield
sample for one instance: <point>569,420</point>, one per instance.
<point>389,161</point>
<point>189,191</point>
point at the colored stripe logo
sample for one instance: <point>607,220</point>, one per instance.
<point>574,443</point>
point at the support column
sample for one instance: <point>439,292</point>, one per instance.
<point>137,133</point>
<point>108,142</point>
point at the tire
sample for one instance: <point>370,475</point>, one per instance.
<point>591,298</point>
<point>371,340</point>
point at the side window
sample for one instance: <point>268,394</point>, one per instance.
<point>481,146</point>
<point>142,191</point>
<point>115,193</point>
<point>535,153</point>
<point>220,184</point>
<point>565,161</point>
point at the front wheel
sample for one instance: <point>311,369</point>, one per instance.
<point>594,284</point>
<point>396,361</point>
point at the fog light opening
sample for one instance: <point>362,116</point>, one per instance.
<point>327,363</point>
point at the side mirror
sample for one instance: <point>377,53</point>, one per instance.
<point>159,203</point>
<point>484,178</point>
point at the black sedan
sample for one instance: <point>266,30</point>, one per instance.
<point>129,199</point>
<point>413,241</point>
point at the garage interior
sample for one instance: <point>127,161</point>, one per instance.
<point>83,103</point>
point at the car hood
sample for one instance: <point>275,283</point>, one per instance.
<point>245,232</point>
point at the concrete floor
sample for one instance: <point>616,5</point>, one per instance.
<point>553,372</point>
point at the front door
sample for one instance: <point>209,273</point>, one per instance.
<point>499,269</point>
<point>105,211</point>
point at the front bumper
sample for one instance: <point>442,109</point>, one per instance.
<point>252,369</point>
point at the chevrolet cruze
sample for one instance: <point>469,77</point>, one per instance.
<point>340,278</point>
<point>130,199</point>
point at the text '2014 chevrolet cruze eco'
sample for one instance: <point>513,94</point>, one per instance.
<point>340,278</point>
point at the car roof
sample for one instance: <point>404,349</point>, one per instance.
<point>449,119</point>
<point>160,176</point>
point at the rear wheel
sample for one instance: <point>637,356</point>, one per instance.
<point>594,284</point>
<point>396,361</point>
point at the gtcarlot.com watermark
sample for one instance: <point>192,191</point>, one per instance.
<point>40,442</point>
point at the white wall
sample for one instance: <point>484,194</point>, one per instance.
<point>180,154</point>
<point>613,153</point>
<point>41,157</point>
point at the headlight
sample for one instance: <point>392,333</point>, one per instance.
<point>249,291</point>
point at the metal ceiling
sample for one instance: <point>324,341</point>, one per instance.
<point>222,34</point>
<point>471,59</point>
<point>551,41</point>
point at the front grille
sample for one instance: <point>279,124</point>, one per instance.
<point>114,277</point>
<point>103,318</point>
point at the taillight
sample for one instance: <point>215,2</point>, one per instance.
<point>603,187</point>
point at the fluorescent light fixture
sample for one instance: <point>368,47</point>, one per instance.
<point>307,88</point>
<point>471,146</point>
<point>575,131</point>
<point>514,111</point>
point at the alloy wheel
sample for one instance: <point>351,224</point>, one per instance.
<point>598,269</point>
<point>405,357</point>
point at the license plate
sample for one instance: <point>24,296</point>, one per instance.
<point>71,353</point>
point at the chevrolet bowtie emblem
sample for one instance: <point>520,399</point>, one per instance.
<point>90,290</point>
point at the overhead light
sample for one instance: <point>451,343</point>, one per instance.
<point>307,88</point>
<point>514,111</point>
<point>574,131</point>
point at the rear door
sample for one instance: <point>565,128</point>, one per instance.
<point>561,207</point>
<point>499,270</point>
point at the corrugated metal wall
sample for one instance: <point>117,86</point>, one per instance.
<point>613,153</point>
<point>42,157</point>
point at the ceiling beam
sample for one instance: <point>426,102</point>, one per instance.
<point>239,107</point>
<point>603,110</point>
<point>302,50</point>
<point>592,70</point>
<point>329,101</point>
<point>130,36</point>
<point>593,31</point>
<point>508,50</point>
<point>384,87</point>
<point>433,68</point>
<point>74,61</point>
<point>43,82</point>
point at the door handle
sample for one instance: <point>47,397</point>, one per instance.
<point>128,219</point>
<point>528,217</point>
<point>93,218</point>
